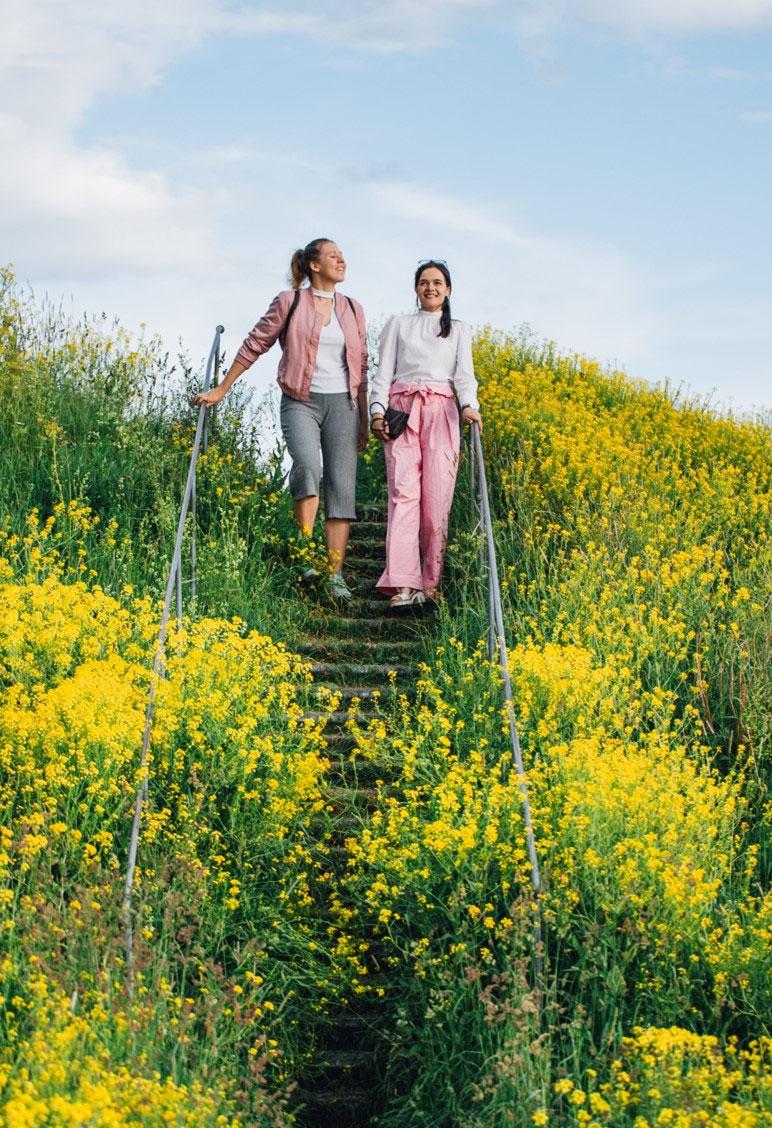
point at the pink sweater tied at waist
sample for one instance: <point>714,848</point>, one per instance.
<point>419,393</point>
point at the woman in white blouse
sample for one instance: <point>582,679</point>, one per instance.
<point>425,365</point>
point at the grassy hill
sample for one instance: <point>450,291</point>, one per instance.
<point>633,537</point>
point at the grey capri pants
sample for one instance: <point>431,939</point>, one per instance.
<point>327,422</point>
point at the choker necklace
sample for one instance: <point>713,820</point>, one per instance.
<point>329,294</point>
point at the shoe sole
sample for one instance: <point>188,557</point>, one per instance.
<point>413,601</point>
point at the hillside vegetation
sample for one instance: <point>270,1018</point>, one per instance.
<point>633,539</point>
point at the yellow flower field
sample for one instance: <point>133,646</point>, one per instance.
<point>235,772</point>
<point>634,547</point>
<point>633,533</point>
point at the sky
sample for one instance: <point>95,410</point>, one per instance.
<point>598,170</point>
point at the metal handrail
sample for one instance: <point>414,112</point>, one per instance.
<point>497,642</point>
<point>174,580</point>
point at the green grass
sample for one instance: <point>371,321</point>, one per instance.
<point>633,537</point>
<point>90,417</point>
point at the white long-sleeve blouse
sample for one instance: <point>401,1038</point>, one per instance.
<point>412,352</point>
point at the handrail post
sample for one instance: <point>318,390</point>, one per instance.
<point>491,615</point>
<point>205,446</point>
<point>472,476</point>
<point>474,486</point>
<point>193,553</point>
<point>173,578</point>
<point>179,593</point>
<point>215,381</point>
<point>497,640</point>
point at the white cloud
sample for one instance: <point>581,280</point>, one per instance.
<point>678,16</point>
<point>84,216</point>
<point>56,58</point>
<point>373,25</point>
<point>539,19</point>
<point>394,25</point>
<point>83,210</point>
<point>587,295</point>
<point>86,46</point>
<point>681,68</point>
<point>757,117</point>
<point>409,201</point>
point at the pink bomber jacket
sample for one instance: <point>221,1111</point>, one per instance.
<point>298,360</point>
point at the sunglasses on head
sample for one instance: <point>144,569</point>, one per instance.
<point>425,262</point>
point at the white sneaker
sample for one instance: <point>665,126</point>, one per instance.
<point>338,587</point>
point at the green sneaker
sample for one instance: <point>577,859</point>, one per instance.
<point>337,587</point>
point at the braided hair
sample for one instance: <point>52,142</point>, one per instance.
<point>443,269</point>
<point>300,265</point>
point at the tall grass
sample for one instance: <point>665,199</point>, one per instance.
<point>633,535</point>
<point>96,436</point>
<point>633,539</point>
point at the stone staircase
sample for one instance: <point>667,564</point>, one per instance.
<point>365,651</point>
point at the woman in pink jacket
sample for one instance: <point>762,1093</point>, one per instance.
<point>323,378</point>
<point>425,369</point>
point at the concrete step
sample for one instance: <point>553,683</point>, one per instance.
<point>371,548</point>
<point>384,626</point>
<point>364,606</point>
<point>354,649</point>
<point>369,530</point>
<point>371,604</point>
<point>338,856</point>
<point>361,797</point>
<point>340,742</point>
<point>350,1105</point>
<point>335,827</point>
<point>358,773</point>
<point>348,768</point>
<point>371,513</point>
<point>378,672</point>
<point>364,565</point>
<point>361,1022</point>
<point>345,1060</point>
<point>337,722</point>
<point>363,692</point>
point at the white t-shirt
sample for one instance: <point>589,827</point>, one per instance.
<point>331,371</point>
<point>411,351</point>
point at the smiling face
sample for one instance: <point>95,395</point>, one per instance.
<point>328,268</point>
<point>432,289</point>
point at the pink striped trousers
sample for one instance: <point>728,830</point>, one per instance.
<point>421,468</point>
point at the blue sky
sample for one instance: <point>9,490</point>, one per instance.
<point>598,170</point>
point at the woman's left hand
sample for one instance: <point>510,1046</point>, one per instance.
<point>472,416</point>
<point>364,436</point>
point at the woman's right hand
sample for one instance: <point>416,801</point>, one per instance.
<point>380,428</point>
<point>210,398</point>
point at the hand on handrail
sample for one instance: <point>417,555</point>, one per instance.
<point>210,398</point>
<point>472,416</point>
